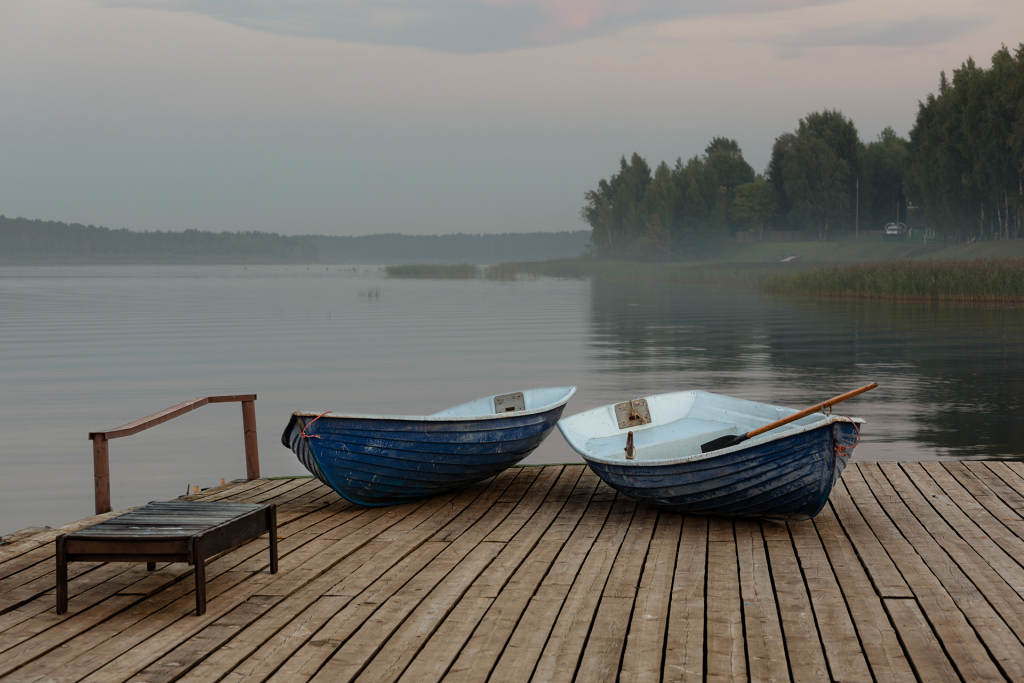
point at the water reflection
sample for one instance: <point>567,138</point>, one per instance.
<point>950,374</point>
<point>90,348</point>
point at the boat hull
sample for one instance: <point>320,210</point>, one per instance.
<point>788,478</point>
<point>389,461</point>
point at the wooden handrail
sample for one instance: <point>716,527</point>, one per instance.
<point>101,453</point>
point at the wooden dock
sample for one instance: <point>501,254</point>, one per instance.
<point>914,571</point>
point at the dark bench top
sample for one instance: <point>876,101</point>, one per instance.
<point>172,531</point>
<point>166,520</point>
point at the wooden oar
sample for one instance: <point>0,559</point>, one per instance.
<point>732,440</point>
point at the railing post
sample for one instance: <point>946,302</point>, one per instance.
<point>252,454</point>
<point>101,472</point>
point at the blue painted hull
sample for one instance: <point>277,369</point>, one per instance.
<point>389,461</point>
<point>788,478</point>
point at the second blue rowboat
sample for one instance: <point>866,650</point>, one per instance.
<point>383,460</point>
<point>784,474</point>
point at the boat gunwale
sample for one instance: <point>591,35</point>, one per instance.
<point>431,418</point>
<point>621,460</point>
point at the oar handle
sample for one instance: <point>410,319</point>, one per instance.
<point>810,411</point>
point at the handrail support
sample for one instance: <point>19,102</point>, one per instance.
<point>101,450</point>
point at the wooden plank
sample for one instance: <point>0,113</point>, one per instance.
<point>183,657</point>
<point>231,398</point>
<point>959,566</point>
<point>482,635</point>
<point>1007,485</point>
<point>766,649</point>
<point>43,538</point>
<point>312,557</point>
<point>1018,469</point>
<point>32,650</point>
<point>26,629</point>
<point>561,655</point>
<point>603,653</point>
<point>38,581</point>
<point>726,650</point>
<point>340,629</point>
<point>886,513</point>
<point>509,498</point>
<point>1002,523</point>
<point>846,659</point>
<point>988,536</point>
<point>152,637</point>
<point>645,645</point>
<point>578,587</point>
<point>512,524</point>
<point>527,641</point>
<point>422,610</point>
<point>305,598</point>
<point>878,638</point>
<point>35,557</point>
<point>880,568</point>
<point>153,420</point>
<point>308,639</point>
<point>923,647</point>
<point>107,589</point>
<point>684,649</point>
<point>403,646</point>
<point>803,644</point>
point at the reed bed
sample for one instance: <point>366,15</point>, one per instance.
<point>369,293</point>
<point>631,271</point>
<point>990,279</point>
<point>434,271</point>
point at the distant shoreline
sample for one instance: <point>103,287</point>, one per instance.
<point>43,243</point>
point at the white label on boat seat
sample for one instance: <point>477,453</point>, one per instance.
<point>632,413</point>
<point>509,403</point>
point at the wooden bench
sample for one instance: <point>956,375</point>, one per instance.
<point>173,531</point>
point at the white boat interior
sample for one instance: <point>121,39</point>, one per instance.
<point>515,403</point>
<point>679,424</point>
<point>530,400</point>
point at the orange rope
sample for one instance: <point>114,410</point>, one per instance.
<point>840,448</point>
<point>313,436</point>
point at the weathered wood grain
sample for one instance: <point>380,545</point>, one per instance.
<point>914,571</point>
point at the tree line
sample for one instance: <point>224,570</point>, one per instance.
<point>26,241</point>
<point>962,165</point>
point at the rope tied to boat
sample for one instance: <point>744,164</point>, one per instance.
<point>313,436</point>
<point>841,450</point>
<point>633,415</point>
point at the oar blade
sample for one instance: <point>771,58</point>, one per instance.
<point>723,442</point>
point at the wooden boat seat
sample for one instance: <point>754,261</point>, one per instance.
<point>682,437</point>
<point>172,531</point>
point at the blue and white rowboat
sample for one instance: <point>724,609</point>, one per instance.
<point>787,473</point>
<point>384,460</point>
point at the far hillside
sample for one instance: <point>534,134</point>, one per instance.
<point>34,242</point>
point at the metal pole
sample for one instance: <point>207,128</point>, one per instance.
<point>856,229</point>
<point>252,455</point>
<point>101,472</point>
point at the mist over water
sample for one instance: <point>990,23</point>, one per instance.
<point>91,348</point>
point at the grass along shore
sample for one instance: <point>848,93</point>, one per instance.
<point>983,271</point>
<point>987,279</point>
<point>434,271</point>
<point>982,279</point>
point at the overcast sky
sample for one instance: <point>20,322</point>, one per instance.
<point>353,117</point>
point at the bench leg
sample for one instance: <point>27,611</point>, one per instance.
<point>200,564</point>
<point>272,523</point>
<point>150,566</point>
<point>62,576</point>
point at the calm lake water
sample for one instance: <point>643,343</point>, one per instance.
<point>90,348</point>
